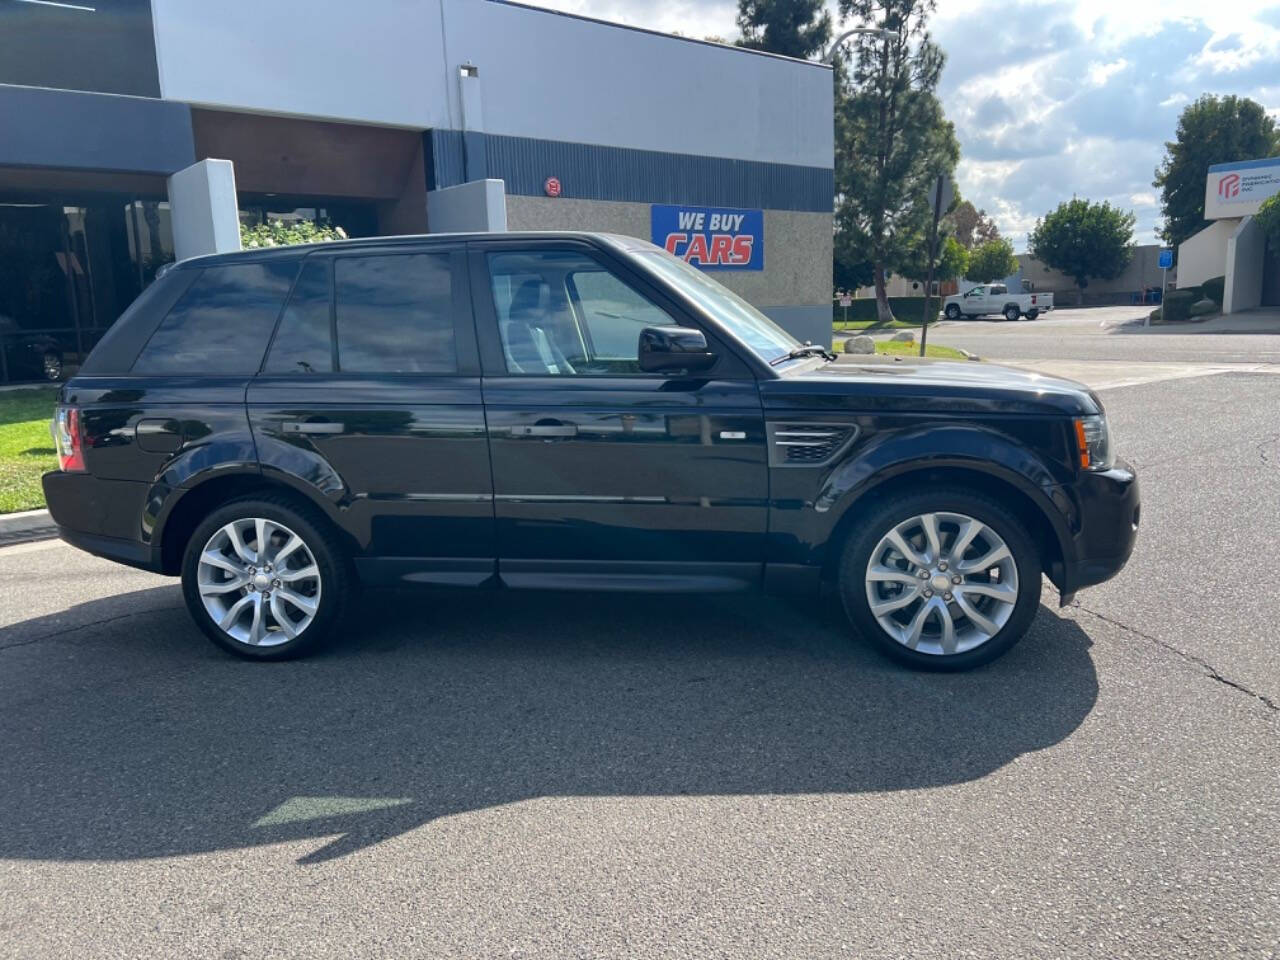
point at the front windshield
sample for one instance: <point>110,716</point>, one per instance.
<point>765,338</point>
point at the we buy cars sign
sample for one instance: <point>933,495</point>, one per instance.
<point>713,238</point>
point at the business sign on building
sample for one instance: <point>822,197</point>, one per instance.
<point>1238,189</point>
<point>713,238</point>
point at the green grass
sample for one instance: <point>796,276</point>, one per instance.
<point>26,448</point>
<point>856,325</point>
<point>897,348</point>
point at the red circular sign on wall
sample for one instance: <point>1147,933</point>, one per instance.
<point>551,186</point>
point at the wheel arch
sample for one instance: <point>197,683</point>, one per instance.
<point>197,501</point>
<point>1048,535</point>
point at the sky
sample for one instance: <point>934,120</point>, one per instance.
<point>1055,99</point>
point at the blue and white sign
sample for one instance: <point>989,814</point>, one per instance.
<point>712,238</point>
<point>1166,259</point>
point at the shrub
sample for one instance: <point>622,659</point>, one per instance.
<point>1202,308</point>
<point>1177,305</point>
<point>1213,289</point>
<point>276,233</point>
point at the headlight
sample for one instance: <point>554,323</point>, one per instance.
<point>1093,439</point>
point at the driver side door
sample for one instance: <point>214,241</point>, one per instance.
<point>606,476</point>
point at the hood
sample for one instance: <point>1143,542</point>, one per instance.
<point>928,386</point>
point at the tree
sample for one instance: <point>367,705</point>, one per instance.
<point>793,28</point>
<point>951,264</point>
<point>1268,219</point>
<point>1084,240</point>
<point>892,138</point>
<point>993,260</point>
<point>972,227</point>
<point>1211,130</point>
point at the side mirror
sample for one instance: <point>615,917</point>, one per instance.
<point>664,349</point>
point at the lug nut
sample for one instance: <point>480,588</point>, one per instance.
<point>955,579</point>
<point>947,597</point>
<point>942,564</point>
<point>924,574</point>
<point>928,593</point>
<point>275,583</point>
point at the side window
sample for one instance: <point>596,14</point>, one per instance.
<point>303,343</point>
<point>394,314</point>
<point>222,323</point>
<point>562,313</point>
<point>999,291</point>
<point>614,314</point>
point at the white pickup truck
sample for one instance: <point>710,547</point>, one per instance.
<point>989,298</point>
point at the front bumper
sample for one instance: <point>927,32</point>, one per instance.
<point>1109,512</point>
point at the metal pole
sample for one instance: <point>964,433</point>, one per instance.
<point>933,243</point>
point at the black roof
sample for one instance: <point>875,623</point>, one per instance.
<point>258,254</point>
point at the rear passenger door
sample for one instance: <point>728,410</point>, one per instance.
<point>370,396</point>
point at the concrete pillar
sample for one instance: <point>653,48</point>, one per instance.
<point>480,205</point>
<point>1243,288</point>
<point>202,203</point>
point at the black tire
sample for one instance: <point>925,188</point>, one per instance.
<point>1032,314</point>
<point>1012,313</point>
<point>337,575</point>
<point>886,515</point>
<point>952,312</point>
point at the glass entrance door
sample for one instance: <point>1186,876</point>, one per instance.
<point>67,271</point>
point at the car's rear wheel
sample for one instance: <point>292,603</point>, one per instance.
<point>941,581</point>
<point>1012,313</point>
<point>1032,314</point>
<point>265,580</point>
<point>953,311</point>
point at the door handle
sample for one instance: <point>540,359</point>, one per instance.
<point>304,426</point>
<point>545,430</point>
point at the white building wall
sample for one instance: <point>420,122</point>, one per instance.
<point>1243,290</point>
<point>542,74</point>
<point>372,61</point>
<point>1204,255</point>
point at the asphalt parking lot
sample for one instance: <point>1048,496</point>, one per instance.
<point>526,775</point>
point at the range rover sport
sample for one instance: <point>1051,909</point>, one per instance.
<point>565,411</point>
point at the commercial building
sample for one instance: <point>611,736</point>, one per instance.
<point>1135,284</point>
<point>141,130</point>
<point>1233,246</point>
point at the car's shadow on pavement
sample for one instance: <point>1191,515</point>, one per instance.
<point>128,735</point>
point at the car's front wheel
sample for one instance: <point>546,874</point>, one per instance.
<point>953,311</point>
<point>265,580</point>
<point>941,581</point>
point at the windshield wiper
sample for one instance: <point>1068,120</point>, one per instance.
<point>804,350</point>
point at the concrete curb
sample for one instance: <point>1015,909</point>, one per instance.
<point>25,526</point>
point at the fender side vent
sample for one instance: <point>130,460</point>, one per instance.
<point>807,444</point>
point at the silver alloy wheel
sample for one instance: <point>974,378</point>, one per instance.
<point>258,582</point>
<point>942,583</point>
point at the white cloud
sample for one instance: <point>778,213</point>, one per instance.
<point>1055,98</point>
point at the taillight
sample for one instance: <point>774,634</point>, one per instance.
<point>66,434</point>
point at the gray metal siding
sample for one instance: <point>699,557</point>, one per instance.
<point>592,172</point>
<point>93,131</point>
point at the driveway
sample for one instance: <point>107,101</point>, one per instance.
<point>547,775</point>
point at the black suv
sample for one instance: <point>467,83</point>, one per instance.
<point>564,411</point>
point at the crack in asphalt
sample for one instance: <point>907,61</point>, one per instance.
<point>1210,670</point>
<point>84,626</point>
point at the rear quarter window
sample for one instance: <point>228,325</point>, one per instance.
<point>221,324</point>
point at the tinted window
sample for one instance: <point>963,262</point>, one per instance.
<point>614,314</point>
<point>395,314</point>
<point>222,323</point>
<point>563,314</point>
<point>303,343</point>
